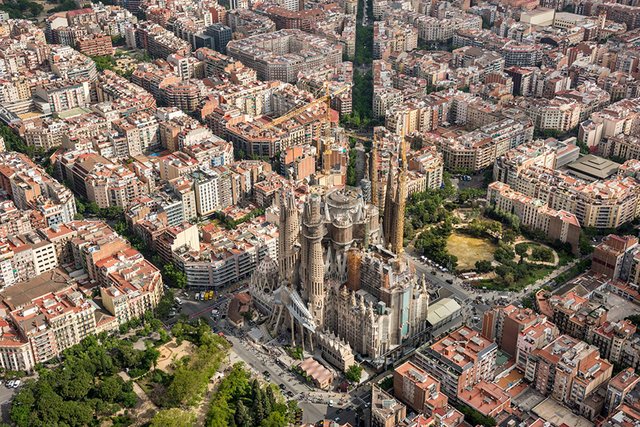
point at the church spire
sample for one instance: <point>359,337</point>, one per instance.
<point>312,262</point>
<point>367,165</point>
<point>395,204</point>
<point>289,230</point>
<point>403,154</point>
<point>388,218</point>
<point>397,242</point>
<point>373,173</point>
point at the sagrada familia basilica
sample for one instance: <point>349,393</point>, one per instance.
<point>341,284</point>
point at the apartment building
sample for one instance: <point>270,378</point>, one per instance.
<point>95,45</point>
<point>140,133</point>
<point>521,55</point>
<point>213,151</point>
<point>15,352</point>
<point>110,20</point>
<point>68,318</point>
<point>31,188</point>
<point>569,370</point>
<point>249,23</point>
<point>47,313</point>
<point>473,111</point>
<point>459,360</point>
<point>184,95</point>
<point>624,13</point>
<point>385,410</point>
<point>44,133</point>
<point>390,37</point>
<point>290,17</point>
<point>177,131</point>
<point>212,189</point>
<point>126,97</point>
<point>225,257</point>
<point>476,150</point>
<point>182,189</point>
<point>549,154</point>
<point>618,119</point>
<point>611,339</point>
<point>275,56</point>
<point>619,388</point>
<point>153,76</point>
<point>175,165</point>
<point>429,165</point>
<point>418,115</point>
<point>576,316</point>
<point>254,139</point>
<point>69,64</point>
<point>60,96</point>
<point>536,214</point>
<point>470,56</point>
<point>486,398</point>
<point>130,285</point>
<point>560,113</point>
<point>12,220</point>
<point>609,255</point>
<point>622,416</point>
<point>53,321</point>
<point>433,29</point>
<point>625,146</point>
<point>298,162</point>
<point>505,324</point>
<point>604,203</point>
<point>417,389</point>
<point>109,184</point>
<point>24,256</point>
<point>184,236</point>
<point>532,338</point>
<point>384,98</point>
<point>159,42</point>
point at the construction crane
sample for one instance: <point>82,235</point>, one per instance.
<point>326,98</point>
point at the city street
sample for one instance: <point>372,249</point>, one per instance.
<point>193,309</point>
<point>440,278</point>
<point>316,404</point>
<point>260,363</point>
<point>6,394</point>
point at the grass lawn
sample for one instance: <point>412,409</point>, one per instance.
<point>469,249</point>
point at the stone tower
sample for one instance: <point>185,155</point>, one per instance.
<point>312,261</point>
<point>395,204</point>
<point>373,175</point>
<point>397,244</point>
<point>387,215</point>
<point>365,182</point>
<point>289,230</point>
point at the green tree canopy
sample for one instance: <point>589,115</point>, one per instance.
<point>354,373</point>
